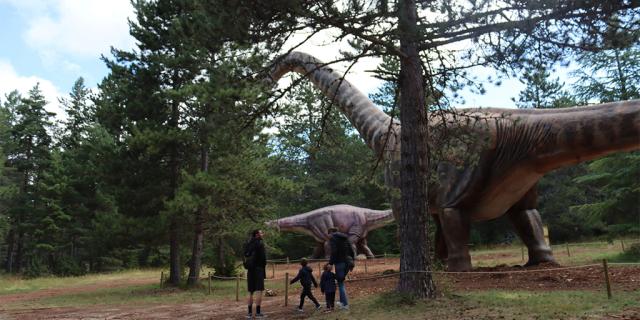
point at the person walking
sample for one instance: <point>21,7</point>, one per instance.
<point>342,257</point>
<point>255,261</point>
<point>328,287</point>
<point>305,276</point>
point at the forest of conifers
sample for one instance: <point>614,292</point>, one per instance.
<point>181,140</point>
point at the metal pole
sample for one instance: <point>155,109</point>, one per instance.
<point>606,277</point>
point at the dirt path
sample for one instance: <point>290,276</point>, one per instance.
<point>591,278</point>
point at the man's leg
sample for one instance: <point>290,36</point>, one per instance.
<point>302,295</point>
<point>341,274</point>
<point>258,301</point>
<point>250,304</point>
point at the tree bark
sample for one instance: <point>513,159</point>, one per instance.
<point>11,243</point>
<point>17,263</point>
<point>196,254</point>
<point>174,239</point>
<point>414,247</point>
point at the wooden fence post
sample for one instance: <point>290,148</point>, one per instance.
<point>273,270</point>
<point>522,250</point>
<point>161,279</point>
<point>288,263</point>
<point>384,260</point>
<point>568,252</point>
<point>622,244</point>
<point>237,288</point>
<point>286,289</point>
<point>209,281</point>
<point>365,266</point>
<point>606,277</point>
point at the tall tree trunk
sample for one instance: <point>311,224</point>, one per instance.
<point>17,262</point>
<point>414,248</point>
<point>221,260</point>
<point>196,254</point>
<point>174,239</point>
<point>11,244</point>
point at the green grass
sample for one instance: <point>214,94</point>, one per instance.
<point>14,284</point>
<point>494,304</point>
<point>144,294</point>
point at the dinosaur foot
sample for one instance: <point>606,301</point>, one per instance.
<point>460,264</point>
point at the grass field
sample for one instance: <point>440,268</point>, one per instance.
<point>138,293</point>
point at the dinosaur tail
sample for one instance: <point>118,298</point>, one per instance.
<point>379,218</point>
<point>371,122</point>
<point>574,135</point>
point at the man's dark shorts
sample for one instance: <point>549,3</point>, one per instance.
<point>255,279</point>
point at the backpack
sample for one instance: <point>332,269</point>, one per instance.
<point>249,256</point>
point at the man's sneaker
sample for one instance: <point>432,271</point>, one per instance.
<point>338,304</point>
<point>249,316</point>
<point>299,310</point>
<point>318,307</point>
<point>261,316</point>
<point>344,307</point>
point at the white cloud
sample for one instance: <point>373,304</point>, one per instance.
<point>10,80</point>
<point>84,28</point>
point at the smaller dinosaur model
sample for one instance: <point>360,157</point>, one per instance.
<point>355,222</point>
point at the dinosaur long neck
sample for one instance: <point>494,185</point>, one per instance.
<point>371,122</point>
<point>580,134</point>
<point>378,219</point>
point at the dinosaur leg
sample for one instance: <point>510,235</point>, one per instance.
<point>327,250</point>
<point>441,246</point>
<point>365,248</point>
<point>456,229</point>
<point>528,225</point>
<point>353,240</point>
<point>318,252</point>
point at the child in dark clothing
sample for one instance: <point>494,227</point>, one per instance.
<point>305,275</point>
<point>328,286</point>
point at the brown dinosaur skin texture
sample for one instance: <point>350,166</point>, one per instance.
<point>355,222</point>
<point>517,147</point>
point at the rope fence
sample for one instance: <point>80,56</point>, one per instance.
<point>605,268</point>
<point>383,257</point>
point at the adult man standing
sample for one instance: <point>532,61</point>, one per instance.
<point>342,257</point>
<point>255,261</point>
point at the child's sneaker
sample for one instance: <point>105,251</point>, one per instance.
<point>249,316</point>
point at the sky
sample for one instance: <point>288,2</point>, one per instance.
<point>54,42</point>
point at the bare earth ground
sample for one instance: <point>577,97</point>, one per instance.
<point>592,278</point>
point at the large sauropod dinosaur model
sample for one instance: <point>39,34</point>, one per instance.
<point>521,146</point>
<point>355,222</point>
